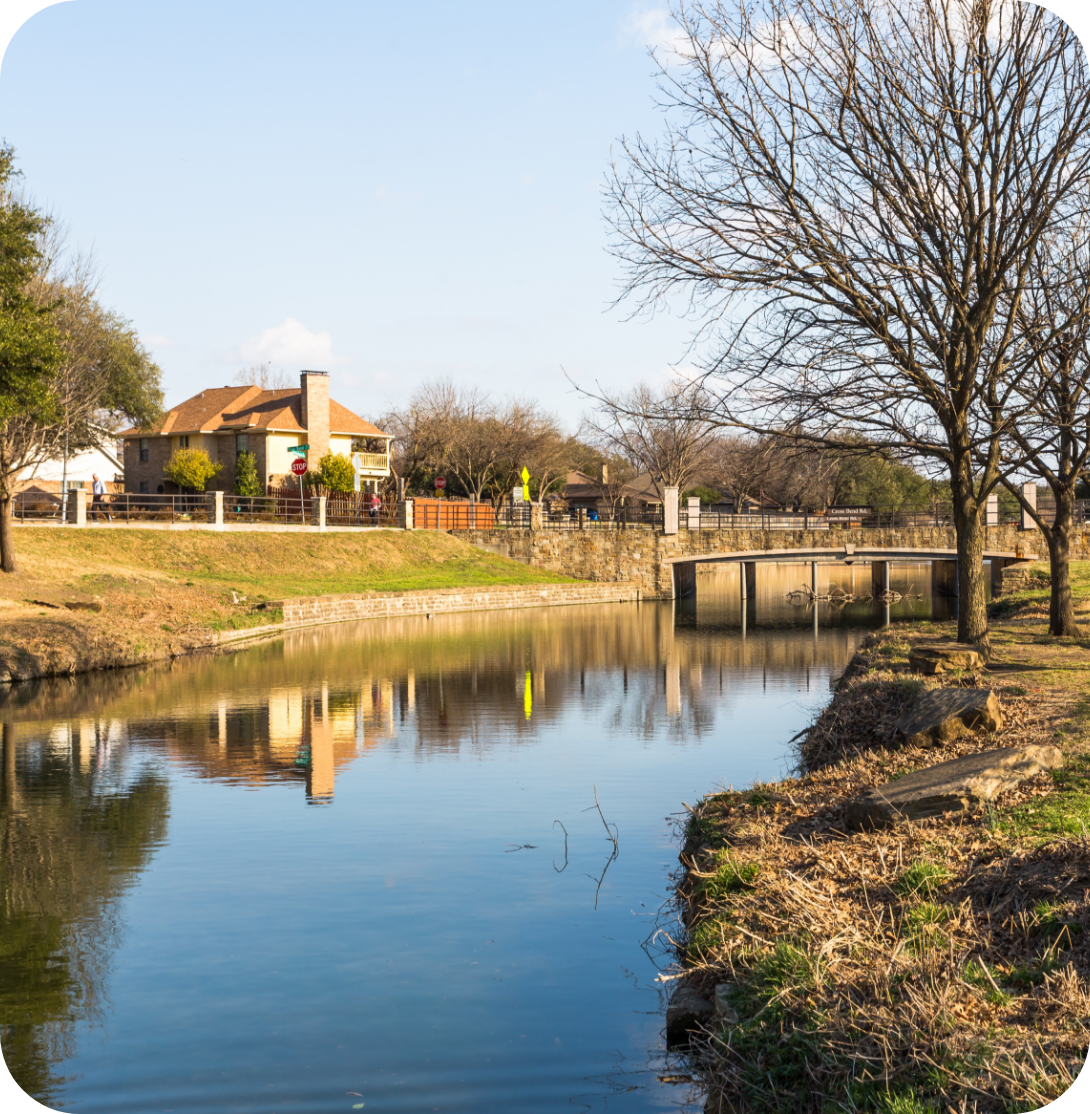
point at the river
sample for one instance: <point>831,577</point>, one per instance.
<point>362,868</point>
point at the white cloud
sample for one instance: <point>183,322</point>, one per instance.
<point>158,340</point>
<point>655,27</point>
<point>290,344</point>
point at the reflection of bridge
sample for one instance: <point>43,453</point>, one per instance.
<point>944,565</point>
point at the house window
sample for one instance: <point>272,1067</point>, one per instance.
<point>143,487</point>
<point>143,450</point>
<point>183,442</point>
<point>242,443</point>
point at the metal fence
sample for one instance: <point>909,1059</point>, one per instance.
<point>114,507</point>
<point>591,518</point>
<point>842,518</point>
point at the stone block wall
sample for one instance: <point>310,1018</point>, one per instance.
<point>639,555</point>
<point>311,610</point>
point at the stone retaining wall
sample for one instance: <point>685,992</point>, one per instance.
<point>310,610</point>
<point>639,555</point>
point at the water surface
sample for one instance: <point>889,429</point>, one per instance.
<point>363,864</point>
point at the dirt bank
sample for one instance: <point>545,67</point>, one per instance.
<point>940,965</point>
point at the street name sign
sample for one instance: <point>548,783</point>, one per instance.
<point>298,448</point>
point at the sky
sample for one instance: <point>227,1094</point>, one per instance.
<point>386,193</point>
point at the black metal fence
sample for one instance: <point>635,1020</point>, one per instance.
<point>592,518</point>
<point>115,507</point>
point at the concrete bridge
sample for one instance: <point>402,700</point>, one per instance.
<point>944,565</point>
<point>663,566</point>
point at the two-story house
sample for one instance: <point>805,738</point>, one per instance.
<point>228,421</point>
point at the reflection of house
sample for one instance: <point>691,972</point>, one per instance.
<point>228,421</point>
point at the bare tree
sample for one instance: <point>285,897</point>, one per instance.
<point>664,433</point>
<point>263,376</point>
<point>850,192</point>
<point>1052,373</point>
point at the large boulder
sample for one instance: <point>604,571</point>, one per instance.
<point>941,715</point>
<point>688,1008</point>
<point>944,657</point>
<point>961,785</point>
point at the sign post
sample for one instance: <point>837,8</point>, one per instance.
<point>299,468</point>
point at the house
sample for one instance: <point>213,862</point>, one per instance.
<point>228,421</point>
<point>104,462</point>
<point>581,490</point>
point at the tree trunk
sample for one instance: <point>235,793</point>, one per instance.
<point>7,541</point>
<point>970,531</point>
<point>1061,609</point>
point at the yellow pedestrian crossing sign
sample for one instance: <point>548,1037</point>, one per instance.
<point>525,484</point>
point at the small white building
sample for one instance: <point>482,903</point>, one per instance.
<point>102,462</point>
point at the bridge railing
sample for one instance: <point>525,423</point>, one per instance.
<point>593,518</point>
<point>834,518</point>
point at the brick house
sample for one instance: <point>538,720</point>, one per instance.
<point>227,421</point>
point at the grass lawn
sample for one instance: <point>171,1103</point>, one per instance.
<point>160,592</point>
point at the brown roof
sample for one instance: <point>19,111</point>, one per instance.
<point>241,408</point>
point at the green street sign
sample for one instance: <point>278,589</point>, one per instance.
<point>298,448</point>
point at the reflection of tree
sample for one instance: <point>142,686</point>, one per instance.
<point>70,843</point>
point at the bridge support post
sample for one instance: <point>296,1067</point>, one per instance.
<point>944,578</point>
<point>747,578</point>
<point>684,580</point>
<point>879,574</point>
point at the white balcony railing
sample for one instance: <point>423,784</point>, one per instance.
<point>371,462</point>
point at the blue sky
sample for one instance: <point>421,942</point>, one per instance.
<point>391,194</point>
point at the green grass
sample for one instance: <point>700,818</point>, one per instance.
<point>271,566</point>
<point>729,878</point>
<point>921,879</point>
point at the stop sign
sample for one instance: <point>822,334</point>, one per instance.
<point>440,482</point>
<point>298,466</point>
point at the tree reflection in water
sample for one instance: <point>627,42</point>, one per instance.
<point>74,833</point>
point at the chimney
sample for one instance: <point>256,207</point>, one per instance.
<point>603,473</point>
<point>314,386</point>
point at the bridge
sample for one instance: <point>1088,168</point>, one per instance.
<point>663,565</point>
<point>944,564</point>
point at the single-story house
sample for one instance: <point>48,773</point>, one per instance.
<point>228,421</point>
<point>581,490</point>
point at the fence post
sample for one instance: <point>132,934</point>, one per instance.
<point>81,506</point>
<point>405,514</point>
<point>1029,493</point>
<point>692,513</point>
<point>669,510</point>
<point>581,517</point>
<point>214,501</point>
<point>321,512</point>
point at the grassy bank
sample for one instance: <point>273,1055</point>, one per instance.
<point>97,598</point>
<point>938,966</point>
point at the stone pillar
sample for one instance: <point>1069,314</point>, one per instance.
<point>537,511</point>
<point>879,573</point>
<point>991,511</point>
<point>405,514</point>
<point>944,578</point>
<point>998,565</point>
<point>581,517</point>
<point>214,506</point>
<point>321,512</point>
<point>693,514</point>
<point>1029,493</point>
<point>669,511</point>
<point>81,506</point>
<point>747,578</point>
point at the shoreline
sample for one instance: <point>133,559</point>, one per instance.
<point>905,968</point>
<point>310,611</point>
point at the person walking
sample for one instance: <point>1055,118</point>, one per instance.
<point>375,504</point>
<point>98,490</point>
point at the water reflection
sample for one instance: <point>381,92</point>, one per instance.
<point>77,824</point>
<point>433,747</point>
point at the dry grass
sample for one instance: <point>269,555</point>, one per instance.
<point>941,965</point>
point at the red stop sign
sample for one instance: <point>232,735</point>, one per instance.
<point>298,466</point>
<point>440,482</point>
